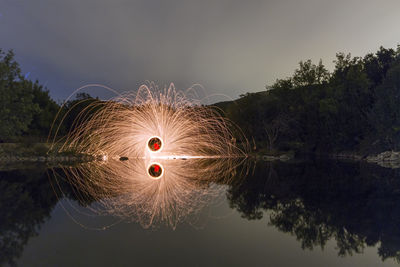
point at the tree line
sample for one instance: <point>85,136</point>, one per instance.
<point>355,107</point>
<point>27,111</point>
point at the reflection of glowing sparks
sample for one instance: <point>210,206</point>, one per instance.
<point>164,134</point>
<point>155,170</point>
<point>126,191</point>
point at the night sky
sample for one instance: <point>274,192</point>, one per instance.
<point>230,47</point>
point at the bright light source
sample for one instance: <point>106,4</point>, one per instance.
<point>155,144</point>
<point>155,170</point>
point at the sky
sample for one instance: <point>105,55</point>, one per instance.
<point>229,47</point>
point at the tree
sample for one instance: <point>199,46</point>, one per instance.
<point>309,74</point>
<point>329,112</point>
<point>377,65</point>
<point>353,92</point>
<point>274,128</point>
<point>48,108</point>
<point>16,99</point>
<point>247,112</point>
<point>385,115</point>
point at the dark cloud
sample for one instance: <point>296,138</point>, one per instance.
<point>229,47</point>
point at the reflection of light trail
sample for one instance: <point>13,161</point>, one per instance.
<point>155,170</point>
<point>124,189</point>
<point>161,154</point>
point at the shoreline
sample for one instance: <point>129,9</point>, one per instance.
<point>13,153</point>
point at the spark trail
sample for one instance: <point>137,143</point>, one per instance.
<point>174,151</point>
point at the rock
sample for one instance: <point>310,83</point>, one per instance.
<point>284,157</point>
<point>387,159</point>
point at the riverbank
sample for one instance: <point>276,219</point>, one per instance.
<point>386,159</point>
<point>31,153</point>
<point>266,155</point>
<point>36,153</point>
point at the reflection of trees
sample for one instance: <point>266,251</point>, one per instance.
<point>26,200</point>
<point>27,197</point>
<point>356,205</point>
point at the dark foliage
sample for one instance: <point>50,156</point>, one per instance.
<point>27,111</point>
<point>354,108</point>
<point>354,204</point>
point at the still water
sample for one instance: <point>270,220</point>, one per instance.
<point>309,213</point>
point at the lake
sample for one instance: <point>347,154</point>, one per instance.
<point>302,213</point>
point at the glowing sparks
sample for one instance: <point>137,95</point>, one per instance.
<point>124,125</point>
<point>161,152</point>
<point>154,144</point>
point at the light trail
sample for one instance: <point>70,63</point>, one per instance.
<point>160,155</point>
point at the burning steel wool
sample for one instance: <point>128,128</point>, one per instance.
<point>158,155</point>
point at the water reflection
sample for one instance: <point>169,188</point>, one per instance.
<point>354,204</point>
<point>26,199</point>
<point>150,192</point>
<point>357,205</point>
